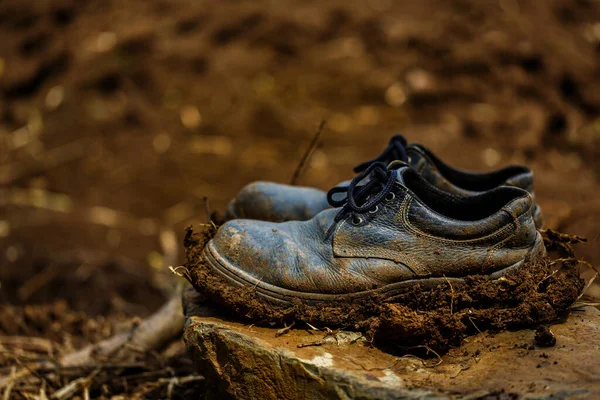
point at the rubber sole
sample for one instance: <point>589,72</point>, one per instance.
<point>237,277</point>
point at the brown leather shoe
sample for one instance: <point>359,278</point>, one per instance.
<point>397,229</point>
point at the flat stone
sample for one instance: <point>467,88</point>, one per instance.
<point>244,361</point>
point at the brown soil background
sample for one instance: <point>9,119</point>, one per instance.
<point>118,118</point>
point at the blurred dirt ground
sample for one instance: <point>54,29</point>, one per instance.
<point>118,118</point>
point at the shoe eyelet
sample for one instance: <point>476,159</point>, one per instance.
<point>357,221</point>
<point>373,211</point>
<point>390,196</point>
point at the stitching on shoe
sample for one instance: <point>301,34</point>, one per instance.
<point>500,244</point>
<point>403,213</point>
<point>408,261</point>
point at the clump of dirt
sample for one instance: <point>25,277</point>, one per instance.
<point>544,337</point>
<point>538,293</point>
<point>561,242</point>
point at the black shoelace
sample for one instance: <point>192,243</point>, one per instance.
<point>362,198</point>
<point>395,150</point>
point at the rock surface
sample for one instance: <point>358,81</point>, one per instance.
<point>249,362</point>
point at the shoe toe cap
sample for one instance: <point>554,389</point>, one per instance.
<point>256,248</point>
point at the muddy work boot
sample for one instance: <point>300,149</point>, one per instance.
<point>393,230</point>
<point>277,202</point>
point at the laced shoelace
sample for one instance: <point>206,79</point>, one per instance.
<point>362,198</point>
<point>395,150</point>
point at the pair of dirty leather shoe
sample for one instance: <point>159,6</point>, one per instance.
<point>406,218</point>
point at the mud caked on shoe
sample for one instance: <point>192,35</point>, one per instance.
<point>269,201</point>
<point>395,230</point>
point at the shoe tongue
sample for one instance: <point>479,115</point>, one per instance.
<point>399,174</point>
<point>399,167</point>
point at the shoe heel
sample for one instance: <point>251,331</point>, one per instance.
<point>538,251</point>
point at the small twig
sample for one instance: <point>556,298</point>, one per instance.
<point>84,367</point>
<point>545,279</point>
<point>588,285</point>
<point>208,213</point>
<point>312,327</point>
<point>172,382</point>
<point>330,336</point>
<point>11,383</point>
<point>160,327</point>
<point>333,334</point>
<point>307,153</point>
<point>473,323</point>
<point>43,392</point>
<point>356,339</point>
<point>257,282</point>
<point>426,365</point>
<point>285,330</point>
<point>38,281</point>
<point>35,344</point>
<point>319,342</point>
<point>6,381</point>
<point>411,356</point>
<point>429,349</point>
<point>185,273</point>
<point>462,368</point>
<point>29,370</point>
<point>389,367</point>
<point>143,375</point>
<point>559,260</point>
<point>71,388</point>
<point>184,379</point>
<point>579,306</point>
<point>563,237</point>
<point>589,265</point>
